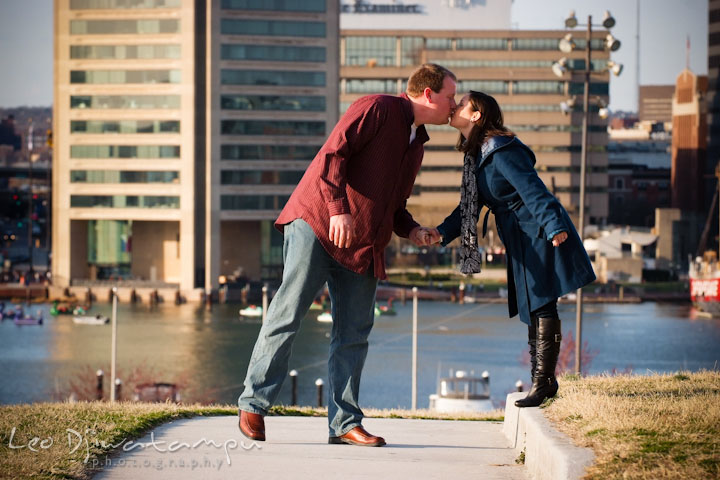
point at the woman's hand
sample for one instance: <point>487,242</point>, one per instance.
<point>559,238</point>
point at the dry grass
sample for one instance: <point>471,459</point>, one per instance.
<point>100,425</point>
<point>644,427</point>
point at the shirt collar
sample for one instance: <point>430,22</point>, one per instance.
<point>421,133</point>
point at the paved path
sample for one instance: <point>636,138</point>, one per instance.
<point>297,449</point>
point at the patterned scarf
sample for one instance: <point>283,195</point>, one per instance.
<point>470,259</point>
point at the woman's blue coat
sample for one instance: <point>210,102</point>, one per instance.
<point>527,217</point>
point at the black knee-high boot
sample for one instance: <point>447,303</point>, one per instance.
<point>532,342</point>
<point>548,348</point>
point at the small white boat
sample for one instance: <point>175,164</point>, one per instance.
<point>91,320</point>
<point>461,392</point>
<point>251,311</point>
<point>325,317</point>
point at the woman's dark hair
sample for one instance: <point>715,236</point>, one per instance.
<point>489,125</point>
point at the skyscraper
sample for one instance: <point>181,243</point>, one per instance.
<point>181,127</point>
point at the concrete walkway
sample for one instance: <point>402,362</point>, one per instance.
<point>213,448</point>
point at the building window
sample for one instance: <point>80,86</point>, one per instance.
<point>538,87</point>
<point>272,53</point>
<point>260,177</point>
<point>100,4</point>
<point>123,176</point>
<point>438,43</point>
<point>124,201</point>
<point>275,5</point>
<point>486,63</point>
<point>535,44</point>
<point>272,102</point>
<point>371,86</point>
<point>412,50</point>
<point>125,126</point>
<point>232,26</point>
<point>272,77</point>
<point>124,151</point>
<point>487,86</point>
<point>619,184</point>
<point>375,51</point>
<point>126,101</point>
<point>482,43</point>
<point>268,152</point>
<point>269,127</point>
<point>124,76</point>
<point>596,88</point>
<point>536,107</point>
<point>124,51</point>
<point>253,202</point>
<point>115,27</point>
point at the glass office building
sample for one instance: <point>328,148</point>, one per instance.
<point>515,67</point>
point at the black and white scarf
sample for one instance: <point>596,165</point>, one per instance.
<point>470,259</point>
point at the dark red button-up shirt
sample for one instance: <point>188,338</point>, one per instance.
<point>367,168</point>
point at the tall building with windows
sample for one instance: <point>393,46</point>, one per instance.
<point>180,129</point>
<point>515,67</point>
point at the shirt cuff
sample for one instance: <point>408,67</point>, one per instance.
<point>338,207</point>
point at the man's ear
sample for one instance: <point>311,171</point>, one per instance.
<point>427,94</point>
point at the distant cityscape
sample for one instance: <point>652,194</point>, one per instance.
<point>154,165</point>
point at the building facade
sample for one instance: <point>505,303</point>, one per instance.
<point>655,103</point>
<point>513,66</point>
<point>180,129</point>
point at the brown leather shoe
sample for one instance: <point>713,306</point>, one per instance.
<point>252,426</point>
<point>358,436</point>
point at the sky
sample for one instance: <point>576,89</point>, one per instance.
<point>26,52</point>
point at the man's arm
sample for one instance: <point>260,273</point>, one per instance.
<point>356,128</point>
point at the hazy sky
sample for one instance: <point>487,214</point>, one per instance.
<point>26,42</point>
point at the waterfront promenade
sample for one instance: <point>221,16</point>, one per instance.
<point>297,448</point>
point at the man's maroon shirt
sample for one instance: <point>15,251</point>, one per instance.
<point>366,168</point>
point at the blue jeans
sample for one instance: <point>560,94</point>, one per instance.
<point>307,267</point>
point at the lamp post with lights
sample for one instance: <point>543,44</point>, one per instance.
<point>559,68</point>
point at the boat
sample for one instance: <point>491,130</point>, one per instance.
<point>251,311</point>
<point>462,392</point>
<point>61,308</point>
<point>316,305</point>
<point>11,313</point>
<point>705,283</point>
<point>325,317</point>
<point>90,320</point>
<point>385,309</point>
<point>23,319</point>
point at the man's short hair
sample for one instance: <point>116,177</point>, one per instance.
<point>428,75</point>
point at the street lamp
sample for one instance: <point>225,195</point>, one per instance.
<point>567,45</point>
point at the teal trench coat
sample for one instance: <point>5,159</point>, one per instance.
<point>527,217</point>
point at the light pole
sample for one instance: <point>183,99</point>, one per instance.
<point>567,45</point>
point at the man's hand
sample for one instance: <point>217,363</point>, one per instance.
<point>424,236</point>
<point>342,232</point>
<point>559,238</point>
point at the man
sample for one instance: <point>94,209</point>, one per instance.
<point>337,224</point>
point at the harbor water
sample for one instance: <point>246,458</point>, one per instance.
<point>207,353</point>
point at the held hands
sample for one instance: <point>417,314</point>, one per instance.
<point>559,238</point>
<point>342,231</point>
<point>425,236</point>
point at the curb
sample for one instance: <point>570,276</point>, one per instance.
<point>549,454</point>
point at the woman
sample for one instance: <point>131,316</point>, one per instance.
<point>545,257</point>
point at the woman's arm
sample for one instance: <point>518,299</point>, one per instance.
<point>516,166</point>
<point>450,227</point>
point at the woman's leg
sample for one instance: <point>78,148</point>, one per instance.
<point>547,351</point>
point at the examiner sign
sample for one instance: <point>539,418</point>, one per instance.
<point>363,7</point>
